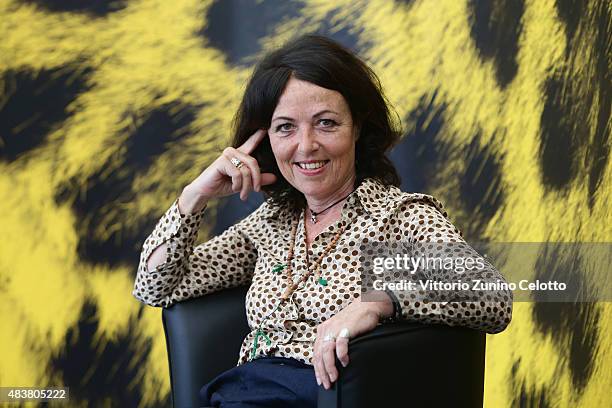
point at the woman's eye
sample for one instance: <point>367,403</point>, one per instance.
<point>285,127</point>
<point>327,122</point>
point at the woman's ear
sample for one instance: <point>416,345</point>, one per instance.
<point>357,131</point>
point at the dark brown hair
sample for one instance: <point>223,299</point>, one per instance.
<point>325,63</point>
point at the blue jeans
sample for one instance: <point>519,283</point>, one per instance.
<point>265,382</point>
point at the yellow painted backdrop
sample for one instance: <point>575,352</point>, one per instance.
<point>107,109</point>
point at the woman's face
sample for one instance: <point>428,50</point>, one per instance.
<point>313,139</point>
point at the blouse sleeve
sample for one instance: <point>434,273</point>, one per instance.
<point>426,222</point>
<point>225,261</point>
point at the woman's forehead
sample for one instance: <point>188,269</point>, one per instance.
<point>307,98</point>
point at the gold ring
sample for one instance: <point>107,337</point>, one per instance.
<point>237,163</point>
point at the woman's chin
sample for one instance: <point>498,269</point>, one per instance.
<point>314,189</point>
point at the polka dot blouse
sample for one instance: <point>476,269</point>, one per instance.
<point>248,251</point>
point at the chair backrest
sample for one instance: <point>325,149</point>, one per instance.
<point>410,364</point>
<point>193,328</point>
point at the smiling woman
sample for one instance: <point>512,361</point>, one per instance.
<point>315,90</point>
<point>312,132</point>
<point>313,140</point>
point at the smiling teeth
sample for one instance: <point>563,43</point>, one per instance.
<point>311,166</point>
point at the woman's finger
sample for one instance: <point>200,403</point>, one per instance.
<point>318,364</point>
<point>251,143</point>
<point>267,179</point>
<point>247,182</point>
<point>253,166</point>
<point>329,361</point>
<point>230,170</point>
<point>241,176</point>
<point>342,350</point>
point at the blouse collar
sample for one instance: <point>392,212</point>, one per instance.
<point>374,197</point>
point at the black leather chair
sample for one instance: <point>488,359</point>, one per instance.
<point>396,365</point>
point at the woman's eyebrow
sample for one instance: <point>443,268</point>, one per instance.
<point>324,111</point>
<point>314,116</point>
<point>281,118</point>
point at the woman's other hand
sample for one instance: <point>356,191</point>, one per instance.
<point>223,177</point>
<point>359,317</point>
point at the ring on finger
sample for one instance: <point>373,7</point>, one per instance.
<point>237,163</point>
<point>329,337</point>
<point>344,333</point>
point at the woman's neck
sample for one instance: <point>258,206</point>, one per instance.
<point>318,204</point>
<point>328,210</point>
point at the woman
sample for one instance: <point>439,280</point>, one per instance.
<point>311,132</point>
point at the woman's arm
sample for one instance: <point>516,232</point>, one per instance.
<point>188,203</point>
<point>490,311</point>
<point>177,271</point>
<point>170,270</point>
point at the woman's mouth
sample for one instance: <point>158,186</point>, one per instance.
<point>311,167</point>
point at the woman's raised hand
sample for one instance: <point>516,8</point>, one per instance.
<point>223,177</point>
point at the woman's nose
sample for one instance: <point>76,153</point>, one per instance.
<point>307,140</point>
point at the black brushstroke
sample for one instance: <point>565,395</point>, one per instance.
<point>34,103</point>
<point>524,396</point>
<point>480,187</point>
<point>98,370</point>
<point>99,205</point>
<point>94,8</point>
<point>572,326</point>
<point>598,153</point>
<point>495,27</point>
<point>559,143</point>
<point>531,397</point>
<point>569,148</point>
<point>236,27</point>
<point>344,32</point>
<point>421,154</point>
<point>571,12</point>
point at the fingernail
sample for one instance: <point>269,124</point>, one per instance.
<point>318,382</point>
<point>344,363</point>
<point>332,377</point>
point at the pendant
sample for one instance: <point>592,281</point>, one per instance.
<point>313,217</point>
<point>278,268</point>
<point>259,333</point>
<point>322,282</point>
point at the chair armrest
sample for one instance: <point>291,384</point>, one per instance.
<point>407,364</point>
<point>203,339</point>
